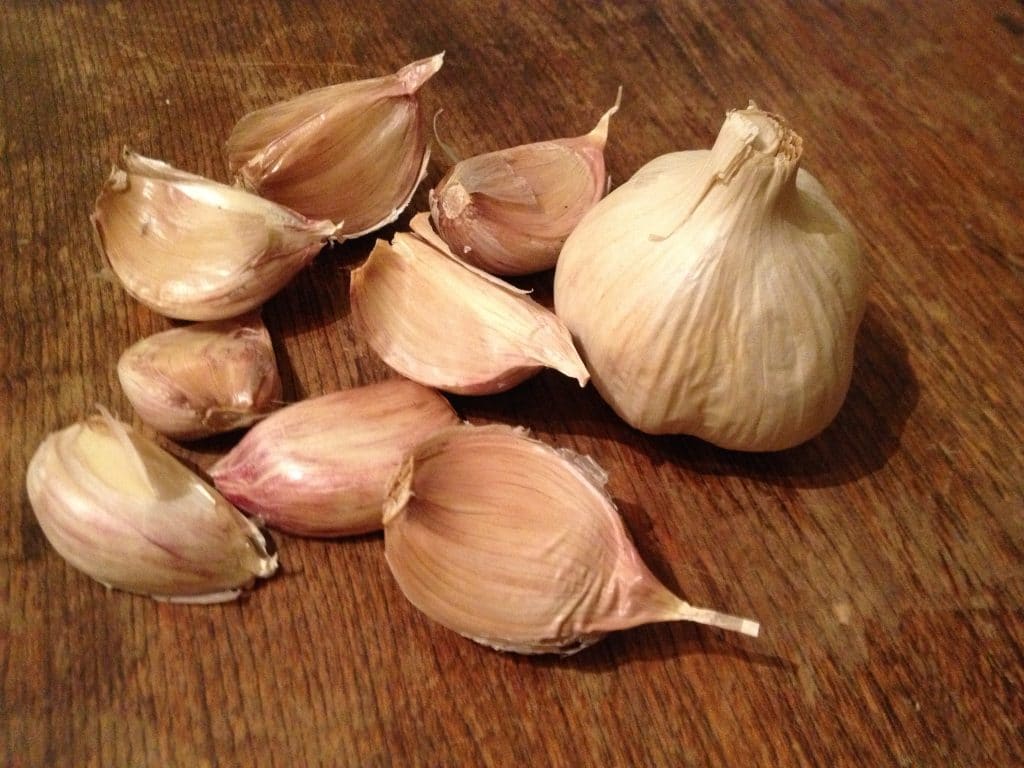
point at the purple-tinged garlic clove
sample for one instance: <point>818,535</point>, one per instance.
<point>509,212</point>
<point>321,467</point>
<point>516,545</point>
<point>202,379</point>
<point>129,515</point>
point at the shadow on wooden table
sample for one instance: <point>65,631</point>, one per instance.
<point>865,434</point>
<point>659,642</point>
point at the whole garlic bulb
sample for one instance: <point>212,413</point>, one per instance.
<point>718,293</point>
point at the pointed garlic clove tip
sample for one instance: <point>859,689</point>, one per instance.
<point>202,379</point>
<point>599,134</point>
<point>125,512</point>
<point>510,211</point>
<point>354,151</point>
<point>414,76</point>
<point>445,324</point>
<point>193,249</point>
<point>321,467</point>
<point>725,621</point>
<point>516,545</point>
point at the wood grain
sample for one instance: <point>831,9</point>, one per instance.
<point>884,558</point>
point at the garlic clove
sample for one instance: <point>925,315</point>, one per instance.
<point>193,249</point>
<point>738,284</point>
<point>321,467</point>
<point>202,379</point>
<point>354,151</point>
<point>126,513</point>
<point>510,211</point>
<point>516,545</point>
<point>440,322</point>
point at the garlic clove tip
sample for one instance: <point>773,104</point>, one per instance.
<point>414,75</point>
<point>600,131</point>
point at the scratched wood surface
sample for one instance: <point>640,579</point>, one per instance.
<point>883,558</point>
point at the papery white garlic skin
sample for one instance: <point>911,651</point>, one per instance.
<point>516,545</point>
<point>202,379</point>
<point>509,212</point>
<point>718,293</point>
<point>353,151</point>
<point>321,467</point>
<point>446,324</point>
<point>193,249</point>
<point>126,513</point>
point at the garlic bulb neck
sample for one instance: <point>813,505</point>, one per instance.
<point>749,171</point>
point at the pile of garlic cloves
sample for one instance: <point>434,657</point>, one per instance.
<point>716,293</point>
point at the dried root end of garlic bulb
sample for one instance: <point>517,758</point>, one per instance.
<point>193,249</point>
<point>445,324</point>
<point>510,211</point>
<point>516,545</point>
<point>718,293</point>
<point>126,513</point>
<point>202,379</point>
<point>353,151</point>
<point>321,467</point>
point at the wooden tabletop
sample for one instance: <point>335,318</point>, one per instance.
<point>883,558</point>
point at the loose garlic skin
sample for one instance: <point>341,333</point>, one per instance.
<point>516,545</point>
<point>202,379</point>
<point>446,324</point>
<point>126,513</point>
<point>718,293</point>
<point>352,152</point>
<point>193,249</point>
<point>321,467</point>
<point>509,212</point>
